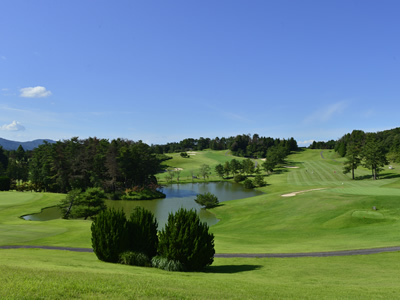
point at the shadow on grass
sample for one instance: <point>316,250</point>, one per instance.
<point>380,176</point>
<point>294,163</point>
<point>389,175</point>
<point>280,171</point>
<point>231,269</point>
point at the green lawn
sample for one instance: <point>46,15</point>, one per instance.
<point>320,220</point>
<point>338,217</point>
<point>193,163</point>
<point>16,231</point>
<point>46,274</point>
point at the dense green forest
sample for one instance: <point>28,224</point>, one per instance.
<point>123,164</point>
<point>80,164</point>
<point>244,145</point>
<point>117,165</point>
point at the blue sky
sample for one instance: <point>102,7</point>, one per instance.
<point>162,71</point>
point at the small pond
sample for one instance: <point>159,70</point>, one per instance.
<point>49,213</point>
<point>177,196</point>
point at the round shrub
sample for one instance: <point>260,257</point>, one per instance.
<point>109,235</point>
<point>207,200</point>
<point>187,240</point>
<point>259,180</point>
<point>248,184</point>
<point>239,178</point>
<point>134,259</point>
<point>142,227</point>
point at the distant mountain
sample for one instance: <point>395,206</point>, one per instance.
<point>13,145</point>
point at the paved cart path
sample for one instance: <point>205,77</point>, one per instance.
<point>244,255</point>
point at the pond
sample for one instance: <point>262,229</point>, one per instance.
<point>49,213</point>
<point>177,196</point>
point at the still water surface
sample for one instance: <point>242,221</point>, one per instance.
<point>177,196</point>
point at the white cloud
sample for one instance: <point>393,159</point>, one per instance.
<point>34,92</point>
<point>305,143</point>
<point>327,113</point>
<point>14,126</point>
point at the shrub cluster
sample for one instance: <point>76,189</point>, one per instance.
<point>142,194</point>
<point>238,178</point>
<point>259,181</point>
<point>113,234</point>
<point>166,264</point>
<point>248,184</point>
<point>134,259</point>
<point>184,155</point>
<point>207,200</point>
<point>184,244</point>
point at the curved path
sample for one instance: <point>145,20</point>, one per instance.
<point>244,255</point>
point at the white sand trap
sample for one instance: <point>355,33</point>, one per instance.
<point>178,169</point>
<point>290,167</point>
<point>191,153</point>
<point>295,193</point>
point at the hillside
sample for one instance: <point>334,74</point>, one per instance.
<point>13,145</point>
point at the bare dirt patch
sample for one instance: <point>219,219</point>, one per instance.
<point>295,193</point>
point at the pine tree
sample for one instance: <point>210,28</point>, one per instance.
<point>374,156</point>
<point>187,240</point>
<point>353,159</point>
<point>143,232</point>
<point>109,235</point>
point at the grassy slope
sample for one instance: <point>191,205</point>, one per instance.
<point>16,231</point>
<point>336,218</point>
<point>194,162</point>
<point>329,219</point>
<point>63,274</point>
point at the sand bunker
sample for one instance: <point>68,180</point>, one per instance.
<point>191,153</point>
<point>295,193</point>
<point>290,167</point>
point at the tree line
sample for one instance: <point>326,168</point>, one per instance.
<point>372,150</point>
<point>83,163</point>
<point>360,148</point>
<point>117,165</point>
<point>243,145</point>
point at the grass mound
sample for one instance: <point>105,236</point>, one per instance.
<point>365,214</point>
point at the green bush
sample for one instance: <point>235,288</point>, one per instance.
<point>166,264</point>
<point>187,240</point>
<point>109,235</point>
<point>259,181</point>
<point>134,259</point>
<point>248,184</point>
<point>142,227</point>
<point>239,178</point>
<point>24,186</point>
<point>142,194</point>
<point>5,183</point>
<point>207,200</point>
<point>184,155</point>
